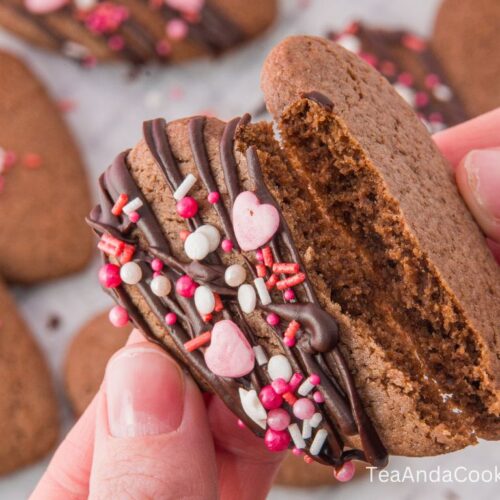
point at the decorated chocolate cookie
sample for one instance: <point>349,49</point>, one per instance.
<point>43,188</point>
<point>408,62</point>
<point>28,407</point>
<point>166,31</point>
<point>465,40</point>
<point>86,359</point>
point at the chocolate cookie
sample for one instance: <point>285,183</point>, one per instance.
<point>86,359</point>
<point>43,189</point>
<point>29,419</point>
<point>166,31</point>
<point>409,64</point>
<point>465,40</point>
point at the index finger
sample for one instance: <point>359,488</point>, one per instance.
<point>479,133</point>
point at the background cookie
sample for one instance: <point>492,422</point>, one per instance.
<point>43,188</point>
<point>86,359</point>
<point>138,31</point>
<point>466,39</point>
<point>29,423</point>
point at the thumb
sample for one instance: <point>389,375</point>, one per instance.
<point>152,437</point>
<point>478,178</point>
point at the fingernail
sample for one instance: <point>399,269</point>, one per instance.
<point>144,392</point>
<point>483,176</point>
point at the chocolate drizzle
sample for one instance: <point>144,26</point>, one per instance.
<point>317,350</point>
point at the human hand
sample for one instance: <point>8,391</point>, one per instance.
<point>149,434</point>
<point>473,149</point>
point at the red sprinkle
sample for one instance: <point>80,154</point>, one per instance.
<point>292,329</point>
<point>127,253</point>
<point>261,270</point>
<point>285,268</point>
<point>110,245</point>
<point>267,253</point>
<point>271,282</point>
<point>184,234</point>
<point>197,342</point>
<point>218,303</point>
<point>308,459</point>
<point>294,280</point>
<point>119,204</point>
<point>32,160</point>
<point>208,317</point>
<point>289,398</point>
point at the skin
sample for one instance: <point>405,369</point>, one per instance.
<point>210,455</point>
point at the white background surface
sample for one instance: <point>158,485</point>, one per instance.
<point>110,108</point>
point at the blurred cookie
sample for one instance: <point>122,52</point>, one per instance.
<point>410,65</point>
<point>43,190</point>
<point>86,359</point>
<point>29,423</point>
<point>166,31</point>
<point>465,40</point>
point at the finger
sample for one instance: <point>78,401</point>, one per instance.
<point>480,133</point>
<point>246,467</point>
<point>478,179</point>
<point>152,436</point>
<point>68,473</point>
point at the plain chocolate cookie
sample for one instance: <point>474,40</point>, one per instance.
<point>29,422</point>
<point>86,359</point>
<point>465,40</point>
<point>137,31</point>
<point>44,194</point>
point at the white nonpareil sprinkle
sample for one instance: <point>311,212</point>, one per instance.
<point>252,406</point>
<point>260,355</point>
<point>212,234</point>
<point>279,367</point>
<point>204,300</point>
<point>85,4</point>
<point>350,42</point>
<point>132,206</point>
<point>186,185</point>
<point>442,92</point>
<point>296,436</point>
<point>262,290</point>
<point>161,286</point>
<point>235,275</point>
<point>318,442</point>
<point>306,429</point>
<point>247,299</point>
<point>306,387</point>
<point>315,420</point>
<point>197,246</point>
<point>131,273</point>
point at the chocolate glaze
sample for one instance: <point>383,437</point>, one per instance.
<point>317,350</point>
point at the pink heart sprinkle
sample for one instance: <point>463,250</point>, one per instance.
<point>44,6</point>
<point>229,353</point>
<point>254,223</point>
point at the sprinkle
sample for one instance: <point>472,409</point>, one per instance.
<point>32,160</point>
<point>260,355</point>
<point>183,234</point>
<point>134,217</point>
<point>171,318</point>
<point>421,99</point>
<point>176,29</point>
<point>316,420</point>
<point>308,459</point>
<point>235,275</point>
<point>247,298</point>
<point>110,245</point>
<point>197,246</point>
<point>264,296</point>
<point>156,265</point>
<point>218,303</point>
<point>442,92</point>
<point>105,17</point>
<point>306,429</point>
<point>161,286</point>
<point>303,408</point>
<point>280,386</point>
<point>185,286</point>
<point>271,282</point>
<point>318,397</point>
<point>289,295</point>
<point>292,329</point>
<point>118,316</point>
<point>132,206</point>
<point>306,387</point>
<point>267,253</point>
<point>127,253</point>
<point>119,204</point>
<point>227,246</point>
<point>204,300</point>
<point>294,280</point>
<point>289,398</point>
<point>185,186</point>
<point>253,407</point>
<point>297,452</point>
<point>7,159</point>
<point>406,79</point>
<point>197,342</point>
<point>163,48</point>
<point>273,319</point>
<point>414,42</point>
<point>431,80</point>
<point>296,435</point>
<point>212,234</point>
<point>315,379</point>
<point>213,197</point>
<point>116,43</point>
<point>208,317</point>
<point>109,276</point>
<point>295,381</point>
<point>278,419</point>
<point>279,367</point>
<point>345,472</point>
<point>241,424</point>
<point>187,207</point>
<point>131,273</point>
<point>259,256</point>
<point>286,268</point>
<point>261,270</point>
<point>276,440</point>
<point>318,442</point>
<point>269,398</point>
<point>289,341</point>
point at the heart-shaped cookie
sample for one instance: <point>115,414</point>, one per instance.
<point>44,195</point>
<point>28,407</point>
<point>229,353</point>
<point>254,223</point>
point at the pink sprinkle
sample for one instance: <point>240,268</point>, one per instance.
<point>297,452</point>
<point>163,48</point>
<point>187,207</point>
<point>156,274</point>
<point>227,246</point>
<point>277,440</point>
<point>371,59</point>
<point>269,398</point>
<point>106,17</point>
<point>213,197</point>
<point>259,255</point>
<point>280,386</point>
<point>352,28</point>
<point>278,419</point>
<point>185,286</point>
<point>177,29</point>
<point>318,397</point>
<point>289,294</point>
<point>134,217</point>
<point>273,319</point>
<point>241,424</point>
<point>414,42</point>
<point>116,43</point>
<point>109,276</point>
<point>171,319</point>
<point>32,160</point>
<point>388,68</point>
<point>157,265</point>
<point>289,341</point>
<point>405,79</point>
<point>295,381</point>
<point>421,99</point>
<point>118,316</point>
<point>303,408</point>
<point>9,160</point>
<point>345,472</point>
<point>184,234</point>
<point>315,379</point>
<point>431,80</point>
